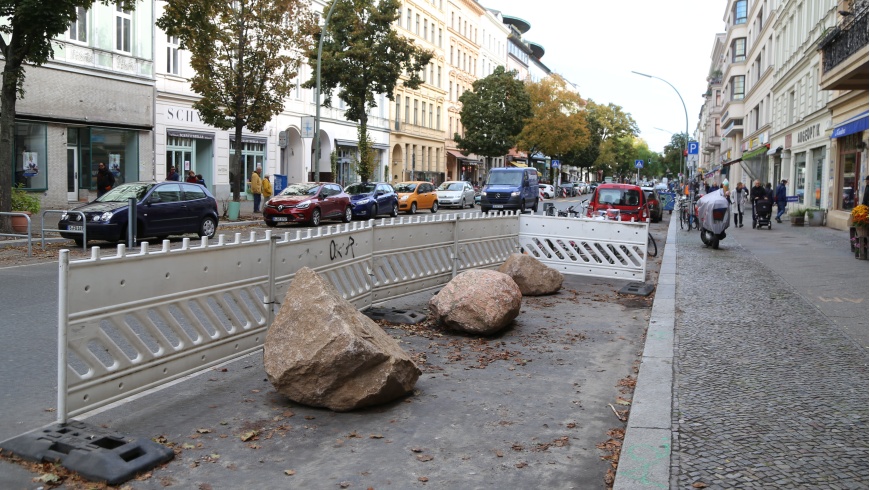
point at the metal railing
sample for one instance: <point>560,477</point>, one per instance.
<point>83,232</point>
<point>28,235</point>
<point>845,40</point>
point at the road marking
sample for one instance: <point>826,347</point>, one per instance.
<point>840,300</point>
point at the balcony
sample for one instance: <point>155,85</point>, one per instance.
<point>845,53</point>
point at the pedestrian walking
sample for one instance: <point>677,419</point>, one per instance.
<point>739,197</point>
<point>768,189</point>
<point>200,180</point>
<point>172,175</point>
<point>191,177</point>
<point>105,179</point>
<point>780,200</point>
<point>257,188</point>
<point>267,191</point>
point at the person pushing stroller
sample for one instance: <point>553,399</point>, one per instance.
<point>760,203</point>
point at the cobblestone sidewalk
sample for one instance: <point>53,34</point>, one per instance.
<point>768,393</point>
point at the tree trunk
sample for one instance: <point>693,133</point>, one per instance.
<point>236,163</point>
<point>365,168</point>
<point>8,99</point>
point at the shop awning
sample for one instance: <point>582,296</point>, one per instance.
<point>459,156</point>
<point>774,151</point>
<point>854,125</point>
<point>754,153</point>
<point>189,134</point>
<point>732,162</point>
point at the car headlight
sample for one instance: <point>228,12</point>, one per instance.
<point>404,198</point>
<point>303,205</point>
<point>515,193</point>
<point>365,200</point>
<point>64,217</point>
<point>103,217</point>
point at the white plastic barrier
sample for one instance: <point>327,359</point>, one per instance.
<point>142,318</point>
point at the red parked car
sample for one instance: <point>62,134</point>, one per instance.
<point>308,202</point>
<point>629,199</point>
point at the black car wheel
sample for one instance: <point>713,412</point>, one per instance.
<point>374,213</point>
<point>435,207</point>
<point>271,224</point>
<point>395,211</point>
<point>348,215</point>
<point>208,227</point>
<point>535,206</point>
<point>315,218</point>
<point>484,209</point>
<point>413,208</point>
<point>79,241</point>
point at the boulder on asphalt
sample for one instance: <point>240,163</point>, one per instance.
<point>477,301</point>
<point>533,277</point>
<point>320,351</point>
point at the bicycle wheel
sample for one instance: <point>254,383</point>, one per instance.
<point>683,219</point>
<point>651,248</point>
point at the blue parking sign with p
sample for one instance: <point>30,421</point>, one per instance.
<point>693,148</point>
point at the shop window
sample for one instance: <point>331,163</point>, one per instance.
<point>849,156</point>
<point>118,149</point>
<point>253,156</point>
<point>30,156</point>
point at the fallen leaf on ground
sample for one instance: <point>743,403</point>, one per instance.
<point>423,479</point>
<point>247,436</point>
<point>289,472</point>
<point>425,457</point>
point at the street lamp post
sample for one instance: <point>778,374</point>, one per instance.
<point>317,94</point>
<point>686,144</point>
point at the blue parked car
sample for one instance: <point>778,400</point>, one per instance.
<point>370,199</point>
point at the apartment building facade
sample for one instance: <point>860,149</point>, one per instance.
<point>93,103</point>
<point>417,116</point>
<point>709,134</point>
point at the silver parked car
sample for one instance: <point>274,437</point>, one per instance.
<point>455,193</point>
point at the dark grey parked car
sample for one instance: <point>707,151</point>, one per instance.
<point>162,209</point>
<point>567,189</point>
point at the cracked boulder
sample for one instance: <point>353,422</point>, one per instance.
<point>533,277</point>
<point>320,351</point>
<point>478,301</point>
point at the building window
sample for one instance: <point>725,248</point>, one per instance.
<point>738,87</point>
<point>408,25</point>
<point>439,37</point>
<point>415,112</point>
<point>117,148</point>
<point>423,113</point>
<point>451,55</point>
<point>31,158</point>
<point>430,115</point>
<point>740,12</point>
<point>78,29</point>
<point>407,109</point>
<point>426,29</point>
<point>123,31</point>
<point>417,25</point>
<point>253,156</point>
<point>172,65</point>
<point>439,76</point>
<point>438,119</point>
<point>398,110</point>
<point>738,50</point>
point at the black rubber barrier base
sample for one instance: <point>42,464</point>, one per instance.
<point>637,288</point>
<point>395,316</point>
<point>93,452</point>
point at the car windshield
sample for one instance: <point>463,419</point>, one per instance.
<point>405,187</point>
<point>450,186</point>
<point>125,191</point>
<point>504,178</point>
<point>618,197</point>
<point>362,188</point>
<point>300,190</point>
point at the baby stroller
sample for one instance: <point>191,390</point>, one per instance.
<point>763,210</point>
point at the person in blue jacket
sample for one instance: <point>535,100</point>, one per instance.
<point>780,200</point>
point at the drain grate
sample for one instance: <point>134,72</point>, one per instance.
<point>637,288</point>
<point>95,453</point>
<point>395,316</point>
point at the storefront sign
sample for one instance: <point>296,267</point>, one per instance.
<point>809,133</point>
<point>182,115</point>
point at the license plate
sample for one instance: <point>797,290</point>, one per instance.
<point>279,218</point>
<point>497,206</point>
<point>74,227</point>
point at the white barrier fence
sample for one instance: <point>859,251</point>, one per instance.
<point>139,319</point>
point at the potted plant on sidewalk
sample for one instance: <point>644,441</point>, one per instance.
<point>815,216</point>
<point>23,202</point>
<point>797,216</point>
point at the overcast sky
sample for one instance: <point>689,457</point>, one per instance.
<point>597,44</point>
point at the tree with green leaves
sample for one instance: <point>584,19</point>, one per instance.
<point>363,55</point>
<point>613,130</point>
<point>672,160</point>
<point>246,54</point>
<point>557,125</point>
<point>493,114</point>
<point>27,28</point>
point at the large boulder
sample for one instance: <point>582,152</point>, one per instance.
<point>321,351</point>
<point>533,277</point>
<point>477,301</point>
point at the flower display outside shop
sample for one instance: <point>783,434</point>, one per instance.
<point>860,216</point>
